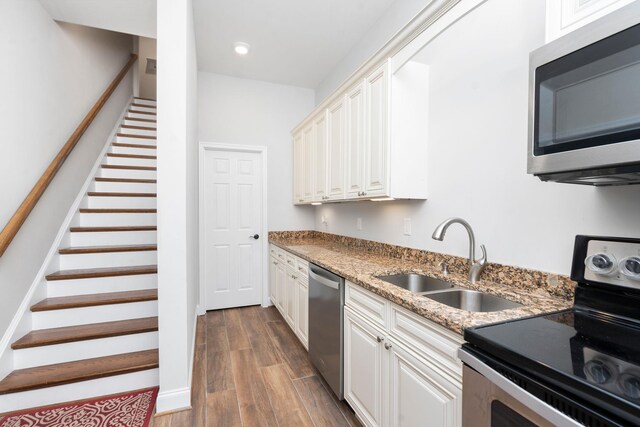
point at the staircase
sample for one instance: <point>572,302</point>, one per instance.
<point>96,332</point>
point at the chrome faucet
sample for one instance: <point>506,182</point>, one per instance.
<point>475,266</point>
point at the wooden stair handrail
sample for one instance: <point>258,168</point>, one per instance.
<point>20,216</point>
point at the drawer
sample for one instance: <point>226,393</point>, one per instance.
<point>302,266</point>
<point>273,250</point>
<point>429,340</point>
<point>290,260</point>
<point>372,307</point>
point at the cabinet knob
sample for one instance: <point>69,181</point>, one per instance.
<point>388,346</point>
<point>379,339</point>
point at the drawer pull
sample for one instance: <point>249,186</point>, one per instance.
<point>379,339</point>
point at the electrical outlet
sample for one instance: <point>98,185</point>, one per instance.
<point>407,226</point>
<point>324,219</point>
<point>359,223</point>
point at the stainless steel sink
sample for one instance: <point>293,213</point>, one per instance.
<point>469,300</point>
<point>416,282</point>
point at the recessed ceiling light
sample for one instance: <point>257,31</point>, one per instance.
<point>241,48</point>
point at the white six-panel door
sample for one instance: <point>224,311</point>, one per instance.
<point>231,219</point>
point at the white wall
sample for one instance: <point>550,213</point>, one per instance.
<point>52,74</point>
<point>250,112</point>
<point>477,156</point>
<point>177,201</point>
<point>147,48</point>
<point>391,21</point>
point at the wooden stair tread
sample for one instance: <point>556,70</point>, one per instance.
<point>139,168</point>
<point>44,337</point>
<point>119,194</point>
<point>89,273</point>
<point>130,135</point>
<point>140,120</point>
<point>81,370</point>
<point>93,300</point>
<point>113,229</point>
<point>138,127</point>
<point>132,156</point>
<point>131,180</point>
<point>141,112</point>
<point>127,145</point>
<point>106,249</point>
<point>115,211</point>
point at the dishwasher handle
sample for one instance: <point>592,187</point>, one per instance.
<point>324,281</point>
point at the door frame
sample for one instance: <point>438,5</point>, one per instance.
<point>203,148</point>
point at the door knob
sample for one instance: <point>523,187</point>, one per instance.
<point>255,236</point>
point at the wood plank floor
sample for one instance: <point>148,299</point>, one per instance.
<point>251,370</point>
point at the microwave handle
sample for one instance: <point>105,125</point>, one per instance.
<point>552,415</point>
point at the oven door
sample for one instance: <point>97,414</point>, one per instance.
<point>491,400</point>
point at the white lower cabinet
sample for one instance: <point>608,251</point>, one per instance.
<point>289,291</point>
<point>398,380</point>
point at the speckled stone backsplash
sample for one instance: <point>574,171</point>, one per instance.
<point>542,283</point>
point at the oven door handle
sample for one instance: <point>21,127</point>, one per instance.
<point>547,412</point>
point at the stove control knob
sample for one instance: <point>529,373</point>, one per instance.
<point>598,371</point>
<point>603,264</point>
<point>630,267</point>
<point>629,384</point>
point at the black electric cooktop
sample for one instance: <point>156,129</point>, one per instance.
<point>591,352</point>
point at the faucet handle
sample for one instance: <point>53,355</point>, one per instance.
<point>444,268</point>
<point>483,260</point>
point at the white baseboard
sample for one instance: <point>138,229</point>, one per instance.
<point>21,322</point>
<point>173,400</point>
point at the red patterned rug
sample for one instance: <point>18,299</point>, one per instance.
<point>132,409</point>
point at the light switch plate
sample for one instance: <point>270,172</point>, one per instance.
<point>407,226</point>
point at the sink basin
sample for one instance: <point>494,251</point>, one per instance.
<point>469,300</point>
<point>416,282</point>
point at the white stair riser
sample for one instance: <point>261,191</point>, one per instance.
<point>127,173</point>
<point>117,219</point>
<point>132,150</point>
<point>129,161</point>
<point>113,238</point>
<point>149,102</point>
<point>63,288</point>
<point>143,107</point>
<point>70,352</point>
<point>134,140</point>
<point>134,122</point>
<point>78,391</point>
<point>96,202</point>
<point>146,132</point>
<point>98,314</point>
<point>107,259</point>
<point>124,187</point>
<point>136,115</point>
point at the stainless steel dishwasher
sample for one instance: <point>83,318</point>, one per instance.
<point>326,303</point>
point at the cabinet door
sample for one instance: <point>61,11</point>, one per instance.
<point>272,279</point>
<point>336,152</point>
<point>355,141</point>
<point>376,134</point>
<point>290,298</point>
<point>302,310</point>
<point>418,392</point>
<point>320,141</point>
<point>365,369</point>
<point>298,169</point>
<point>308,164</point>
<point>281,277</point>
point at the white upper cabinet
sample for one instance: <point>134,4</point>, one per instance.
<point>377,132</point>
<point>298,171</point>
<point>308,163</point>
<point>336,150</point>
<point>320,151</point>
<point>564,16</point>
<point>355,142</point>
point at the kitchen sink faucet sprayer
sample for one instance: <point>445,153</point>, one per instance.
<point>475,266</point>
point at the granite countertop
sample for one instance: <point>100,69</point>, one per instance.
<point>361,267</point>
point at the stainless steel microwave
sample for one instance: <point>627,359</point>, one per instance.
<point>584,104</point>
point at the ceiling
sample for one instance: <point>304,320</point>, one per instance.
<point>293,42</point>
<point>136,17</point>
